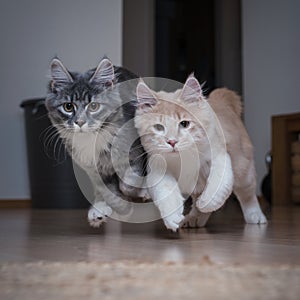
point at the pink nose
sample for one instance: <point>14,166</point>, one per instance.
<point>172,143</point>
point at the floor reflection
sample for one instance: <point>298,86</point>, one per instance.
<point>64,235</point>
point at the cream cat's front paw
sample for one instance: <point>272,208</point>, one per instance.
<point>219,185</point>
<point>195,219</point>
<point>98,214</point>
<point>255,216</point>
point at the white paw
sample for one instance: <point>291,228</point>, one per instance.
<point>255,217</point>
<point>98,214</point>
<point>173,220</point>
<point>195,220</point>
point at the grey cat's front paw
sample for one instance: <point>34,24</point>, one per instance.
<point>98,214</point>
<point>173,220</point>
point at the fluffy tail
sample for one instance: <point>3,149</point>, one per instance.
<point>231,98</point>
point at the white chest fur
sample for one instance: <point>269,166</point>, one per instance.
<point>189,170</point>
<point>87,147</point>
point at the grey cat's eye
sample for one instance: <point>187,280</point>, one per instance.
<point>159,127</point>
<point>93,106</point>
<point>68,107</point>
<point>184,124</point>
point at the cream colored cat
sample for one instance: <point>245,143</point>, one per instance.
<point>198,148</point>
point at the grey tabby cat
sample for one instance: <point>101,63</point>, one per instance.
<point>88,111</point>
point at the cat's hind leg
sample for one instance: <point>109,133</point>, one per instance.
<point>245,190</point>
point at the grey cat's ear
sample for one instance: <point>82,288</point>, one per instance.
<point>59,73</point>
<point>145,96</point>
<point>104,73</point>
<point>192,91</point>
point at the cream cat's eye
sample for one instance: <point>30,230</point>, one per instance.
<point>68,107</point>
<point>93,106</point>
<point>184,124</point>
<point>159,127</point>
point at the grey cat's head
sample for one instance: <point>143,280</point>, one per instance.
<point>82,102</point>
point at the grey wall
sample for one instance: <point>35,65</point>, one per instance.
<point>32,32</point>
<point>271,67</point>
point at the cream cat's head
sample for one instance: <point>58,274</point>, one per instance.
<point>171,122</point>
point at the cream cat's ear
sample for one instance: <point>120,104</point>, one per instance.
<point>192,91</point>
<point>145,96</point>
<point>59,74</point>
<point>104,73</point>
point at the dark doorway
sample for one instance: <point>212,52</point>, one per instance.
<point>184,40</point>
<point>200,36</point>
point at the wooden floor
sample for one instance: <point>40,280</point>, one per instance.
<point>64,235</point>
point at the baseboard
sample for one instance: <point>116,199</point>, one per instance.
<point>26,203</point>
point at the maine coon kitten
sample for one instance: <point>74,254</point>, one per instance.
<point>196,147</point>
<point>88,111</point>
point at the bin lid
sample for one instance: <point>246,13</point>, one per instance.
<point>32,101</point>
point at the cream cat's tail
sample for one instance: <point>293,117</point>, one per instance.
<point>231,98</point>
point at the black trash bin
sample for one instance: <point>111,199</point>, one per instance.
<point>52,180</point>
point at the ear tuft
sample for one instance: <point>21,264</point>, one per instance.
<point>145,96</point>
<point>104,73</point>
<point>59,73</point>
<point>192,91</point>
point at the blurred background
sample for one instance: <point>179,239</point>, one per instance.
<point>251,46</point>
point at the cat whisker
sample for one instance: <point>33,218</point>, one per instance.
<point>140,156</point>
<point>47,133</point>
<point>47,129</point>
<point>51,135</point>
<point>52,142</point>
<point>60,149</point>
<point>44,116</point>
<point>56,155</point>
<point>62,157</point>
<point>49,138</point>
<point>144,169</point>
<point>137,147</point>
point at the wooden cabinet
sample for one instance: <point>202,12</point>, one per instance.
<point>285,134</point>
